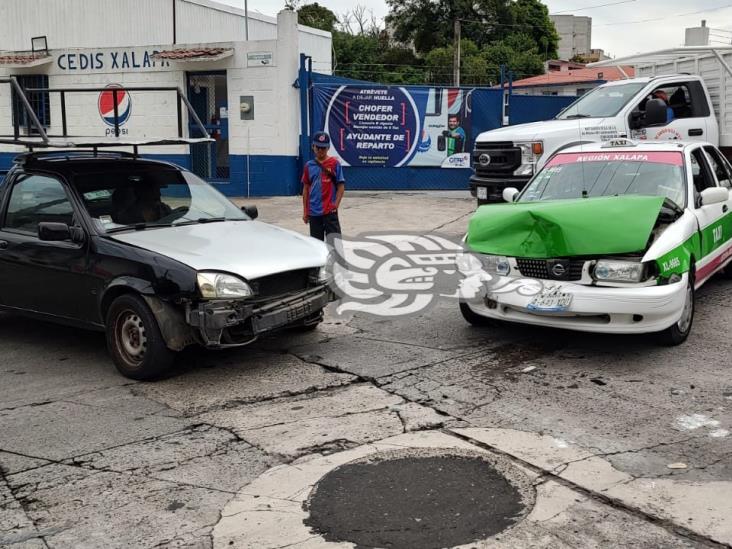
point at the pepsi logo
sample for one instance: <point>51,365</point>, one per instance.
<point>106,104</point>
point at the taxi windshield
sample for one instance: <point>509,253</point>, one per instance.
<point>142,198</point>
<point>581,175</point>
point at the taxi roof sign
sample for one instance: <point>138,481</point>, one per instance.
<point>619,142</point>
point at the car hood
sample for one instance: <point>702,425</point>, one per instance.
<point>249,249</point>
<point>565,228</point>
<point>540,130</point>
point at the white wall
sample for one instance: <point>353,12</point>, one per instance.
<point>119,23</point>
<point>274,130</point>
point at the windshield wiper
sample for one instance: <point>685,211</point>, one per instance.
<point>138,227</point>
<point>571,116</point>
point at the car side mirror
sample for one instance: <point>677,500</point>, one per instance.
<point>656,112</point>
<point>251,211</point>
<point>510,193</point>
<point>714,195</point>
<point>53,232</point>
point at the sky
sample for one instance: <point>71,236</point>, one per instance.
<point>620,27</point>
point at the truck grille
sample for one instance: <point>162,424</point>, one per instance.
<point>505,158</point>
<point>281,283</point>
<point>544,268</point>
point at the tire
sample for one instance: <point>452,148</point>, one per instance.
<point>677,334</point>
<point>475,319</point>
<point>134,340</point>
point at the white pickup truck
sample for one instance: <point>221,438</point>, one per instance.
<point>510,156</point>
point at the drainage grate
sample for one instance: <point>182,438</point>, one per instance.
<point>424,501</point>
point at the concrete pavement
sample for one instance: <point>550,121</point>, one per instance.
<point>90,459</point>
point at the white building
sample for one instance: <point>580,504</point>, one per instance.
<point>575,35</point>
<point>241,89</point>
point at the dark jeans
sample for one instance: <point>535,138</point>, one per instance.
<point>322,225</point>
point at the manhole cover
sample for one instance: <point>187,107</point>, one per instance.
<point>418,499</point>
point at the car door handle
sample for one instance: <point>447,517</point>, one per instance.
<point>695,132</point>
<point>3,244</point>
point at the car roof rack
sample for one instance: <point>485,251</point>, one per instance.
<point>38,138</point>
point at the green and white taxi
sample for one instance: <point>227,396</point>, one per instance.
<point>612,237</point>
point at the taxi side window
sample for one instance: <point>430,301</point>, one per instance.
<point>701,174</point>
<point>719,166</point>
<point>35,199</point>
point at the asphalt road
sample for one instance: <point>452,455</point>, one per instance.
<point>91,459</point>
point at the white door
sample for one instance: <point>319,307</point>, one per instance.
<point>688,113</point>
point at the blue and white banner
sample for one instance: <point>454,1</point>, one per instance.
<point>392,126</point>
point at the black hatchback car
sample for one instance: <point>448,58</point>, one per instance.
<point>152,255</point>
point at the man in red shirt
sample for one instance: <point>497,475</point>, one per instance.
<point>323,188</point>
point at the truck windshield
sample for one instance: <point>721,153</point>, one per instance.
<point>578,175</point>
<point>602,102</point>
<point>138,199</point>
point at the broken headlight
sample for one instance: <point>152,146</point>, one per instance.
<point>607,270</point>
<point>222,286</point>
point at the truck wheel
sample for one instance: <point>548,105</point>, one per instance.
<point>475,319</point>
<point>677,334</point>
<point>134,340</point>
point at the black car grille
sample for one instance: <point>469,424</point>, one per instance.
<point>281,283</point>
<point>571,270</point>
<point>505,158</point>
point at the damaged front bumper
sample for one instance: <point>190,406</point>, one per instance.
<point>600,309</point>
<point>233,323</point>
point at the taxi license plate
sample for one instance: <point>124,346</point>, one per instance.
<point>482,193</point>
<point>551,300</point>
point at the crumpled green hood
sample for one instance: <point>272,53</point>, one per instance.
<point>563,228</point>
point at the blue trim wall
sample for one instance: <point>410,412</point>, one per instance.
<point>406,179</point>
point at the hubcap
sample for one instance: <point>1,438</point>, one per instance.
<point>131,338</point>
<point>686,315</point>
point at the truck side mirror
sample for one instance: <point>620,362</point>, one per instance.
<point>656,112</point>
<point>636,119</point>
<point>251,211</point>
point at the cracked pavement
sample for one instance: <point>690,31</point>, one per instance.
<point>91,459</point>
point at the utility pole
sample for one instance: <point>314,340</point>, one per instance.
<point>456,55</point>
<point>246,21</point>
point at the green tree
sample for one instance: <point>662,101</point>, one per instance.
<point>316,16</point>
<point>532,17</point>
<point>474,69</point>
<point>429,24</point>
<point>518,52</point>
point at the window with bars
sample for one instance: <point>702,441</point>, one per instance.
<point>40,102</point>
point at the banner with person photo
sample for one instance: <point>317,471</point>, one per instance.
<point>394,126</point>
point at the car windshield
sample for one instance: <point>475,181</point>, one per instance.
<point>601,102</point>
<point>578,175</point>
<point>138,199</point>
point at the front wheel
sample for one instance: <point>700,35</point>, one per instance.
<point>134,339</point>
<point>475,319</point>
<point>677,334</point>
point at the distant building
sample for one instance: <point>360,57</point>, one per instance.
<point>563,78</point>
<point>697,36</point>
<point>575,35</point>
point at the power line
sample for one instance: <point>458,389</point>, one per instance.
<point>593,7</point>
<point>665,17</point>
